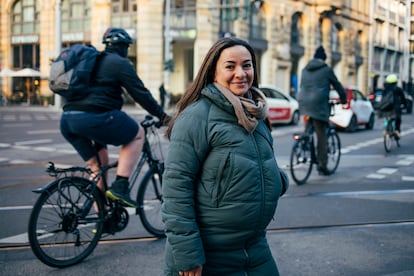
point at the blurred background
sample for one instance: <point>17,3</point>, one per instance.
<point>364,40</point>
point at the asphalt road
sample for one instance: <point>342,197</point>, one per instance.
<point>359,221</point>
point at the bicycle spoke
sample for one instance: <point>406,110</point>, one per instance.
<point>64,228</point>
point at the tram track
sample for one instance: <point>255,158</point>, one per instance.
<point>273,230</point>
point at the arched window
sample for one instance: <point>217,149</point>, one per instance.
<point>25,17</point>
<point>25,30</point>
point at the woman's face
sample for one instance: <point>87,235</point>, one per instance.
<point>234,70</point>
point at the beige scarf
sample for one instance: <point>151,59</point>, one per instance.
<point>248,108</point>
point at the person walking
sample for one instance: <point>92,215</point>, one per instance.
<point>221,182</point>
<point>95,121</point>
<point>313,98</point>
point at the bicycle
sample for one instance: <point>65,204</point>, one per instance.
<point>389,131</point>
<point>303,155</point>
<point>72,213</point>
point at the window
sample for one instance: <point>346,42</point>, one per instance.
<point>75,15</point>
<point>124,13</point>
<point>25,17</point>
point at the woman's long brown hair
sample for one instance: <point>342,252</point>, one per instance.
<point>206,74</point>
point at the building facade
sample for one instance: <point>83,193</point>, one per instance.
<point>364,40</point>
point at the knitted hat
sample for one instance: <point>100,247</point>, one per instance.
<point>320,53</point>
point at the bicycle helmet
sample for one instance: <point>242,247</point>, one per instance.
<point>116,36</point>
<point>392,78</point>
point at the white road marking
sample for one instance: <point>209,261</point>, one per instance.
<point>387,171</point>
<point>376,176</point>
<point>408,178</point>
<point>44,131</point>
<point>33,142</point>
<point>404,162</point>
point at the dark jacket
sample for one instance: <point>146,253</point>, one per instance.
<point>399,97</point>
<point>113,74</point>
<point>221,184</point>
<point>313,97</point>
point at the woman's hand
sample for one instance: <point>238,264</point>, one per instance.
<point>194,272</point>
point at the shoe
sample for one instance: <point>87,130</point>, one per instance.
<point>323,171</point>
<point>119,191</point>
<point>397,135</point>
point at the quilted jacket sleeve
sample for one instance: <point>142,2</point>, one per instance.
<point>187,150</point>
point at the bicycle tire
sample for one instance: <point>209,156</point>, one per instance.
<point>334,152</point>
<point>387,142</point>
<point>149,200</point>
<point>301,161</point>
<point>65,226</point>
<point>388,136</point>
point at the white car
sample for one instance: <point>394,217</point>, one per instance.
<point>358,111</point>
<point>282,107</point>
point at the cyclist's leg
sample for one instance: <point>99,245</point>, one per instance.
<point>320,130</point>
<point>129,154</point>
<point>131,141</point>
<point>398,121</point>
<point>93,163</point>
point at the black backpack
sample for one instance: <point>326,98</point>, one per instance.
<point>71,72</point>
<point>387,100</point>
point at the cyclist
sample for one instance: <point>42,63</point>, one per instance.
<point>399,99</point>
<point>92,123</point>
<point>313,98</point>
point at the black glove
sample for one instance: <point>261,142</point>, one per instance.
<point>165,119</point>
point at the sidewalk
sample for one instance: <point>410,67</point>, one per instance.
<point>386,249</point>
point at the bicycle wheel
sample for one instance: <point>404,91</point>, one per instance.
<point>334,152</point>
<point>387,141</point>
<point>301,161</point>
<point>149,200</point>
<point>66,222</point>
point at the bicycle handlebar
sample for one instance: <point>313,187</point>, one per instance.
<point>149,121</point>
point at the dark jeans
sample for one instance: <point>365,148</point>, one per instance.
<point>322,150</point>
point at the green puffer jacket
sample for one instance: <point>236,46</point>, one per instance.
<point>221,184</point>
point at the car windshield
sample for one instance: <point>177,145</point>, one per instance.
<point>270,93</point>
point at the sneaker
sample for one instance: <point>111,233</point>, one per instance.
<point>397,135</point>
<point>119,191</point>
<point>323,171</point>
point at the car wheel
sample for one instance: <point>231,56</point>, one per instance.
<point>352,124</point>
<point>295,118</point>
<point>371,122</point>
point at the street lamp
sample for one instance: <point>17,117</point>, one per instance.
<point>58,43</point>
<point>167,46</point>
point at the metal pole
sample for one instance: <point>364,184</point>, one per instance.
<point>167,41</point>
<point>58,42</point>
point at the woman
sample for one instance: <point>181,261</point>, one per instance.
<point>221,182</point>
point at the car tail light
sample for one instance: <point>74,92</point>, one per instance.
<point>371,97</point>
<point>348,100</point>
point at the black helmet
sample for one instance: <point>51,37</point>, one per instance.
<point>115,36</point>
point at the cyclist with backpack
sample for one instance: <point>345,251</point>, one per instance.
<point>313,98</point>
<point>96,120</point>
<point>396,101</point>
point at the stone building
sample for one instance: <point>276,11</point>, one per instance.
<point>171,42</point>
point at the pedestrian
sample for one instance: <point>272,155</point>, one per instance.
<point>221,183</point>
<point>398,98</point>
<point>163,94</point>
<point>313,98</point>
<point>96,120</point>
